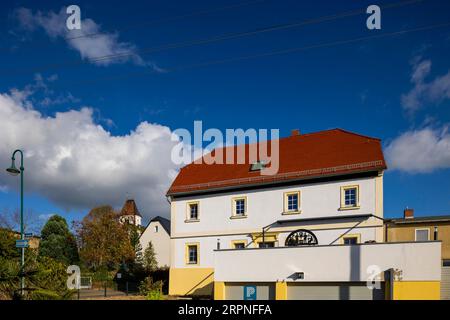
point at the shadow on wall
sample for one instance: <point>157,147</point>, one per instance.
<point>355,271</point>
<point>204,288</point>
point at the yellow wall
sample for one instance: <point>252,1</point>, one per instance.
<point>191,281</point>
<point>416,290</point>
<point>406,232</point>
<point>219,290</point>
<point>281,291</point>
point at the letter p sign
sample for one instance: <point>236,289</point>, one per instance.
<point>249,292</point>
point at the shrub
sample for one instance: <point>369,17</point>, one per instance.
<point>154,295</point>
<point>43,294</point>
<point>148,286</point>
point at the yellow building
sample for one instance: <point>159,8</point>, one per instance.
<point>422,229</point>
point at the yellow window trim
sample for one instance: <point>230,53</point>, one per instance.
<point>268,237</point>
<point>285,203</point>
<point>343,206</point>
<point>188,211</point>
<point>186,253</point>
<point>233,206</point>
<point>351,235</point>
<point>234,242</point>
<point>419,229</point>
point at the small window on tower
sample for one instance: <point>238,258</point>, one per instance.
<point>156,229</point>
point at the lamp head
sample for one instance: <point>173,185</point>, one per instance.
<point>13,170</point>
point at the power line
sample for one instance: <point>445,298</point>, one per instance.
<point>160,21</point>
<point>271,53</point>
<point>204,41</point>
<point>174,18</point>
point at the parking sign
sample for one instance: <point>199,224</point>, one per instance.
<point>249,292</point>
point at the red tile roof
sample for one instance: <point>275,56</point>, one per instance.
<point>324,153</point>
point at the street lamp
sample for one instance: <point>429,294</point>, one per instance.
<point>14,171</point>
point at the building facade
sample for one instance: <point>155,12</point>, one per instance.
<point>158,233</point>
<point>326,196</point>
<point>424,228</point>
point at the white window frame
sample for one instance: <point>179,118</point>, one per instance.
<point>188,211</point>
<point>350,207</point>
<point>286,210</point>
<point>421,229</point>
<point>234,214</point>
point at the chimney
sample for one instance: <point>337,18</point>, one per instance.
<point>295,132</point>
<point>408,213</point>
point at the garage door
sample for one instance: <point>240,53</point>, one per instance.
<point>334,291</point>
<point>445,283</point>
<point>264,291</point>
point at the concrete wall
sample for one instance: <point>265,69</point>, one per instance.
<point>160,241</point>
<point>418,262</point>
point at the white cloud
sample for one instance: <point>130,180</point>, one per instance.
<point>420,151</point>
<point>90,41</point>
<point>434,91</point>
<point>78,164</point>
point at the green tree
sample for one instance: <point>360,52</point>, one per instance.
<point>104,241</point>
<point>57,242</point>
<point>8,248</point>
<point>149,259</point>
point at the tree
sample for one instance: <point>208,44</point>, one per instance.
<point>8,248</point>
<point>104,241</point>
<point>134,234</point>
<point>149,259</point>
<point>57,242</point>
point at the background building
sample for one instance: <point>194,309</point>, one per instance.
<point>130,213</point>
<point>158,233</point>
<point>431,228</point>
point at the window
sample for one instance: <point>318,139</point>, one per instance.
<point>267,244</point>
<point>239,244</point>
<point>291,202</point>
<point>422,234</point>
<point>192,253</point>
<point>239,207</point>
<point>156,229</point>
<point>349,197</point>
<point>258,165</point>
<point>351,239</point>
<point>192,212</point>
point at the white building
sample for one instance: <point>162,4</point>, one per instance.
<point>158,233</point>
<point>326,200</point>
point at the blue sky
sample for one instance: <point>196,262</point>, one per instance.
<point>356,86</point>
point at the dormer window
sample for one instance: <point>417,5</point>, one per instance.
<point>258,166</point>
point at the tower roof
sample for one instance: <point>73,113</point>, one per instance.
<point>130,209</point>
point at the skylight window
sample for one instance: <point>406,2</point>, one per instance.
<point>258,165</point>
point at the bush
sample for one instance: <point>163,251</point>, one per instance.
<point>148,287</point>
<point>45,295</point>
<point>154,295</point>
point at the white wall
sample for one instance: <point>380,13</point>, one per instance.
<point>418,261</point>
<point>160,241</point>
<point>266,206</point>
<point>209,244</point>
